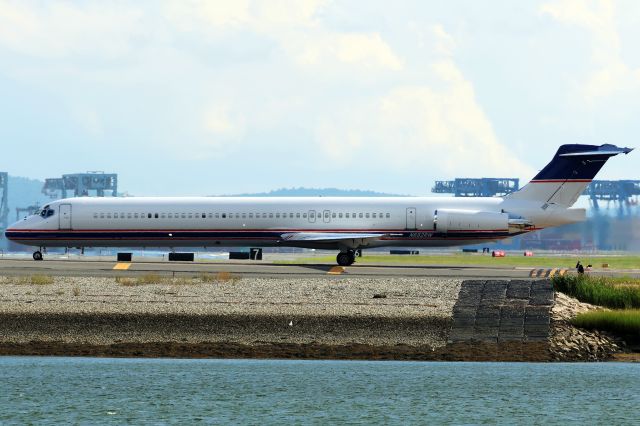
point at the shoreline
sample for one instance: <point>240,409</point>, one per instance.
<point>427,319</point>
<point>533,352</point>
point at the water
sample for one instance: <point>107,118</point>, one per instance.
<point>116,391</point>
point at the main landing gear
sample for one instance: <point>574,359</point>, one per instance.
<point>346,258</point>
<point>37,255</point>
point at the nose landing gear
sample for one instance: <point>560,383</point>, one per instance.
<point>346,258</point>
<point>37,255</point>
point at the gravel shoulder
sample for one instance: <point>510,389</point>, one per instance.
<point>248,311</point>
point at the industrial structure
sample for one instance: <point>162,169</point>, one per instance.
<point>26,211</point>
<point>617,191</point>
<point>480,187</point>
<point>4,200</point>
<point>81,185</point>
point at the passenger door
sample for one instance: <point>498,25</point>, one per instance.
<point>65,216</point>
<point>312,216</point>
<point>326,216</point>
<point>411,218</point>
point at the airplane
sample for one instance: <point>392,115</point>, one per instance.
<point>346,224</point>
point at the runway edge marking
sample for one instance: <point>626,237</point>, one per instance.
<point>122,266</point>
<point>547,273</point>
<point>336,270</point>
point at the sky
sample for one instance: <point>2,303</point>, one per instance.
<point>193,97</point>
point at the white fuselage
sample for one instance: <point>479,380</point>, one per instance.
<point>262,222</point>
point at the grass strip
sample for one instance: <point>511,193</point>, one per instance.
<point>624,323</point>
<point>567,261</point>
<point>614,293</point>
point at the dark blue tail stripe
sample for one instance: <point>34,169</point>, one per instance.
<point>578,167</point>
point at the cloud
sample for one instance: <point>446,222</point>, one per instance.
<point>610,74</point>
<point>294,25</point>
<point>325,50</point>
<point>439,127</point>
<point>55,29</point>
<point>256,15</point>
<point>219,122</point>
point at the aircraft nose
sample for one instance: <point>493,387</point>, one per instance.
<point>8,233</point>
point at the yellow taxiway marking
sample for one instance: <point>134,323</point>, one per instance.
<point>122,266</point>
<point>336,270</point>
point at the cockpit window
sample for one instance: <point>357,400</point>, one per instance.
<point>45,212</point>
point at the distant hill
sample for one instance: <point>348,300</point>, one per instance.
<point>316,192</point>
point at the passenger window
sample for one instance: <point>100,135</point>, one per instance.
<point>340,215</point>
<point>312,215</point>
<point>250,215</point>
<point>163,215</point>
<point>297,215</point>
<point>270,215</point>
<point>210,215</point>
<point>95,215</point>
<point>108,215</point>
<point>157,216</point>
<point>135,215</point>
<point>360,215</point>
<point>264,215</point>
<point>190,215</point>
<point>366,215</point>
<point>277,215</point>
<point>217,215</point>
<point>333,215</point>
<point>290,215</point>
<point>304,215</point>
<point>129,215</point>
<point>101,215</point>
<point>224,215</point>
<point>244,215</point>
<point>388,215</point>
<point>115,215</point>
<point>170,215</point>
<point>237,215</point>
<point>183,215</point>
<point>373,215</point>
<point>346,215</point>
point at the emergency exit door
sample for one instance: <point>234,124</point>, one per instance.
<point>65,216</point>
<point>411,218</point>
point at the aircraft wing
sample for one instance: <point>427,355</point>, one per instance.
<point>329,237</point>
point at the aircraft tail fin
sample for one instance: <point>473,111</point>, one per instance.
<point>568,174</point>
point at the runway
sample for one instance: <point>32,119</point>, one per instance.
<point>104,268</point>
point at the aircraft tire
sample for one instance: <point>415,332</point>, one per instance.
<point>37,255</point>
<point>344,259</point>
